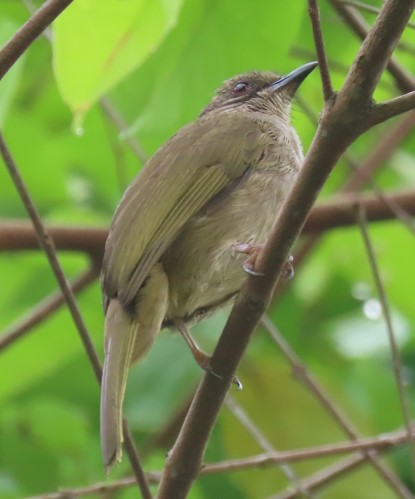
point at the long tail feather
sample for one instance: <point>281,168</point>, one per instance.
<point>120,334</point>
<point>127,339</point>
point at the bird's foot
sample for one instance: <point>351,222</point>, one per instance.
<point>287,272</point>
<point>253,250</point>
<point>202,359</point>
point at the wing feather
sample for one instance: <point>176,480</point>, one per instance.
<point>192,167</point>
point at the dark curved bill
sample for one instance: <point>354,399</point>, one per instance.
<point>295,77</point>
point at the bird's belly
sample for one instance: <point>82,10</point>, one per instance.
<point>203,269</point>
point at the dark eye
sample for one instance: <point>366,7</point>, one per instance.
<point>240,88</point>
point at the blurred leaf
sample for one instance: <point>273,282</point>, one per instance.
<point>98,42</point>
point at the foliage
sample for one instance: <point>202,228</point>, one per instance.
<point>158,62</point>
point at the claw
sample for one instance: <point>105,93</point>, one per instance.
<point>252,250</point>
<point>202,359</point>
<point>288,269</point>
<point>248,269</point>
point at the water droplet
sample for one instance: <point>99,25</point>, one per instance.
<point>77,122</point>
<point>372,309</point>
<point>361,291</point>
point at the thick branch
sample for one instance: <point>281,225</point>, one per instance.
<point>18,235</point>
<point>334,135</point>
<point>393,107</point>
<point>30,30</point>
<point>340,211</point>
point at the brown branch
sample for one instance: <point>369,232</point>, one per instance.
<point>18,235</point>
<point>304,375</point>
<point>44,308</point>
<point>46,243</point>
<point>325,476</point>
<point>341,123</point>
<point>396,359</point>
<point>403,79</point>
<point>382,443</point>
<point>380,154</point>
<point>362,174</point>
<point>393,107</point>
<point>314,14</point>
<point>368,8</point>
<point>28,33</point>
<point>340,210</point>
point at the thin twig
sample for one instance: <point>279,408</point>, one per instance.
<point>265,444</point>
<point>44,309</point>
<point>112,114</point>
<point>30,30</point>
<point>46,242</point>
<point>396,359</point>
<point>380,154</point>
<point>304,375</point>
<point>339,211</point>
<point>382,443</point>
<point>323,477</point>
<point>403,79</point>
<point>368,8</point>
<point>320,50</point>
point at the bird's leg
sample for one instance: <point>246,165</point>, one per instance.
<point>253,250</point>
<point>200,357</point>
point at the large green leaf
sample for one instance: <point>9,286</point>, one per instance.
<point>98,42</point>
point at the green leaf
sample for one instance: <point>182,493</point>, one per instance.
<point>212,41</point>
<point>98,42</point>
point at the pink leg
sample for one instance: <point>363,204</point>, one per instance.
<point>200,357</point>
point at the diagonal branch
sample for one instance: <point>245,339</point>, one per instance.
<point>265,445</point>
<point>28,33</point>
<point>320,50</point>
<point>396,359</point>
<point>43,309</point>
<point>46,243</point>
<point>317,390</point>
<point>404,81</point>
<point>340,125</point>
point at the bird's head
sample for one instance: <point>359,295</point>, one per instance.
<point>261,91</point>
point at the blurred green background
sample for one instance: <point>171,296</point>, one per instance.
<point>158,63</point>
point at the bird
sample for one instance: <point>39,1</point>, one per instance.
<point>190,225</point>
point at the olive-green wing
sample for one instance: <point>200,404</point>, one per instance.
<point>191,168</point>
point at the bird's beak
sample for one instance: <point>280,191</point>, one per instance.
<point>294,79</point>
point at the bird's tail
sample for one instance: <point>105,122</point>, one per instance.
<point>120,334</point>
<point>127,339</point>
